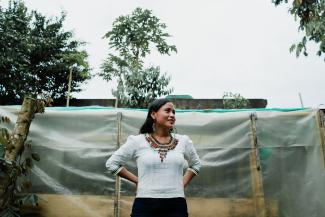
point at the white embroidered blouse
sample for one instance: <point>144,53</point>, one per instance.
<point>156,179</point>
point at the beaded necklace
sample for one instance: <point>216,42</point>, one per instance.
<point>161,148</point>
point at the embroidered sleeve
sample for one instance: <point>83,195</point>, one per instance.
<point>119,158</point>
<point>192,157</point>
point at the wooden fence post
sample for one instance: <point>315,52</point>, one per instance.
<point>256,172</point>
<point>117,205</point>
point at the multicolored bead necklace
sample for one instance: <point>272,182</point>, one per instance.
<point>161,148</point>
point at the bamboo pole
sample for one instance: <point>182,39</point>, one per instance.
<point>301,102</point>
<point>321,129</point>
<point>257,181</point>
<point>69,87</point>
<point>117,204</point>
<point>116,102</point>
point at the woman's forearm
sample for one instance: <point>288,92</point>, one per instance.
<point>124,173</point>
<point>188,177</point>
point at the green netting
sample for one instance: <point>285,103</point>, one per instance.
<point>74,143</point>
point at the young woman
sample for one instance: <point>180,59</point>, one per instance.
<point>160,156</point>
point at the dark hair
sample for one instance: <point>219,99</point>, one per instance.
<point>153,107</point>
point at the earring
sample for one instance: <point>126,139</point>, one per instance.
<point>173,130</point>
<point>154,127</point>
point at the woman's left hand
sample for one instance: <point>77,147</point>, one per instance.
<point>187,177</point>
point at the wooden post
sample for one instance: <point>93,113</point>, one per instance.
<point>321,129</point>
<point>257,180</point>
<point>301,103</point>
<point>117,204</point>
<point>116,102</point>
<point>69,87</point>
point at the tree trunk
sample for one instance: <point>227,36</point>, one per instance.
<point>16,145</point>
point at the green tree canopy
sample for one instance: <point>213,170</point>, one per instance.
<point>311,16</point>
<point>145,86</point>
<point>131,40</point>
<point>234,101</point>
<point>36,55</point>
<point>133,34</point>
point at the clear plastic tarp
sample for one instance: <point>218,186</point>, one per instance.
<point>255,163</point>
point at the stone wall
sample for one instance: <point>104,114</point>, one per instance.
<point>179,103</point>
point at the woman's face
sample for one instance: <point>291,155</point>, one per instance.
<point>165,116</point>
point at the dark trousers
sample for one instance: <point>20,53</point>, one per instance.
<point>159,207</point>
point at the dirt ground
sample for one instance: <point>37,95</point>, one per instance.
<point>51,205</point>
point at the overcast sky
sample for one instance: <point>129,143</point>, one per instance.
<point>237,46</point>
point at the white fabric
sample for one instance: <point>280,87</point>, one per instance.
<point>156,179</point>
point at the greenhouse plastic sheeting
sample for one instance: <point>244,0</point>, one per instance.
<point>255,163</point>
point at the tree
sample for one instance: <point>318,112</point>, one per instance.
<point>234,101</point>
<point>36,55</point>
<point>311,16</point>
<point>13,163</point>
<point>131,38</point>
<point>145,86</point>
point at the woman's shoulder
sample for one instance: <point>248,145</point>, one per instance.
<point>135,140</point>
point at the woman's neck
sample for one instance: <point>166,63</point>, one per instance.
<point>161,133</point>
